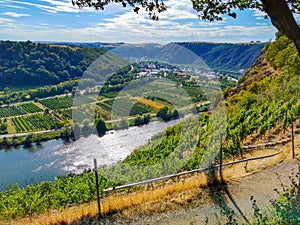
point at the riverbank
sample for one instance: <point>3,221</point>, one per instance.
<point>27,139</point>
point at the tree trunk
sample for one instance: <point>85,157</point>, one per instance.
<point>282,18</point>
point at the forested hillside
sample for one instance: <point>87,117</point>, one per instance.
<point>24,63</point>
<point>220,56</point>
<point>226,56</point>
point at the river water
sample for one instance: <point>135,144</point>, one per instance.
<point>56,157</point>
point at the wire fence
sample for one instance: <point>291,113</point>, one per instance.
<point>278,151</point>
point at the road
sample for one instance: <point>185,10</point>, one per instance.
<point>23,134</point>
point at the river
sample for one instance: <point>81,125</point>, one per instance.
<point>49,159</point>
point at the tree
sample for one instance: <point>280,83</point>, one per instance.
<point>67,131</point>
<point>279,11</point>
<point>67,92</point>
<point>138,121</point>
<point>28,140</point>
<point>6,90</point>
<point>100,127</point>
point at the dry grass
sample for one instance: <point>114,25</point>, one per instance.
<point>169,191</point>
<point>161,198</point>
<point>10,128</point>
<point>57,217</point>
<point>39,105</point>
<point>153,104</point>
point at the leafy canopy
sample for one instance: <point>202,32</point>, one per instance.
<point>280,12</point>
<point>208,9</point>
<point>151,6</point>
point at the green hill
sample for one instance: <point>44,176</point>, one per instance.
<point>226,56</point>
<point>27,63</point>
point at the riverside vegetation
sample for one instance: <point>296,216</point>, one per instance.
<point>266,100</point>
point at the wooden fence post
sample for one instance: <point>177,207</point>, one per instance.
<point>293,141</point>
<point>97,187</point>
<point>221,157</point>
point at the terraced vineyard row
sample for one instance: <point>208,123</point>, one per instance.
<point>30,108</point>
<point>17,110</point>
<point>35,122</point>
<point>11,111</point>
<point>22,124</point>
<point>57,103</point>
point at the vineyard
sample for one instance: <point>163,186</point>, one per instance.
<point>258,120</point>
<point>17,110</point>
<point>57,103</point>
<point>35,122</point>
<point>11,111</point>
<point>82,100</point>
<point>30,108</point>
<point>21,124</point>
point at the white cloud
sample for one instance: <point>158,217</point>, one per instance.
<point>4,20</point>
<point>171,31</point>
<point>11,6</point>
<point>13,14</point>
<point>178,23</point>
<point>7,24</point>
<point>259,14</point>
<point>53,6</point>
<point>59,6</point>
<point>179,10</point>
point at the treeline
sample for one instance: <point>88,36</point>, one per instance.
<point>3,126</point>
<point>43,92</point>
<point>42,64</point>
<point>119,79</point>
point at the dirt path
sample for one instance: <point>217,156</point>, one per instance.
<point>237,195</point>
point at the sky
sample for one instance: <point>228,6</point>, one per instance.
<point>59,20</point>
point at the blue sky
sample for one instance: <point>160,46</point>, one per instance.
<point>58,20</point>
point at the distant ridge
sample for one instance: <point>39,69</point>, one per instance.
<point>218,56</point>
